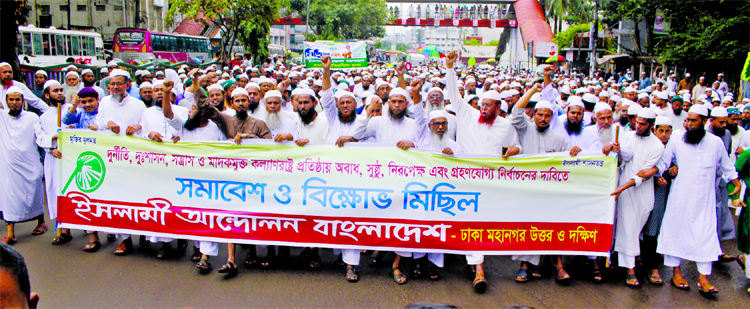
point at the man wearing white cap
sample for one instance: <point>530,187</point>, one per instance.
<point>634,205</point>
<point>340,111</point>
<point>40,77</point>
<point>312,127</point>
<point>482,132</point>
<point>688,230</point>
<point>22,190</point>
<point>725,223</point>
<point>436,101</point>
<point>700,88</point>
<point>660,100</point>
<point>282,126</point>
<point>146,94</point>
<point>437,139</point>
<point>153,124</point>
<point>630,93</point>
<point>573,127</point>
<point>88,80</point>
<point>603,129</point>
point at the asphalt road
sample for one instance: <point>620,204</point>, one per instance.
<point>67,277</point>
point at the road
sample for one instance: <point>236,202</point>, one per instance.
<point>67,277</point>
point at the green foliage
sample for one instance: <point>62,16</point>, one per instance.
<point>348,19</point>
<point>491,43</point>
<point>472,42</point>
<point>248,20</point>
<point>403,47</point>
<point>385,44</point>
<point>565,38</point>
<point>378,45</point>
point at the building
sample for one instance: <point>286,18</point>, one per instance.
<point>102,16</point>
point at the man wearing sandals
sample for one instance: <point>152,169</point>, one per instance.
<point>689,227</point>
<point>53,95</point>
<point>482,132</point>
<point>22,193</point>
<point>641,150</point>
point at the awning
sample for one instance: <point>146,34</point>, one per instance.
<point>607,58</point>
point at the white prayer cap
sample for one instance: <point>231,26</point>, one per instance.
<point>215,87</point>
<point>515,84</point>
<point>663,121</point>
<point>146,85</point>
<point>399,91</point>
<point>370,98</point>
<point>71,73</point>
<point>575,101</point>
<point>492,94</point>
<point>104,70</point>
<point>626,102</point>
<point>145,73</point>
<point>343,86</point>
<point>615,98</point>
<point>565,90</point>
<point>513,92</point>
<point>309,92</point>
<point>727,99</point>
<point>590,98</point>
<point>158,83</point>
<point>269,94</point>
<point>119,72</point>
<point>658,112</point>
<point>318,83</point>
<point>719,112</point>
<point>634,109</point>
<point>647,113</point>
<point>13,89</point>
<point>41,72</point>
<point>536,97</point>
<point>86,71</point>
<point>629,89</point>
<point>438,113</point>
<point>505,94</point>
<point>601,106</point>
<point>699,109</point>
<point>251,84</point>
<point>503,106</point>
<point>662,95</point>
<point>381,82</point>
<point>604,94</point>
<point>2,64</point>
<point>296,91</point>
<point>435,89</point>
<point>240,91</point>
<point>642,95</point>
<point>49,83</point>
<point>341,93</point>
<point>544,104</point>
<point>112,64</point>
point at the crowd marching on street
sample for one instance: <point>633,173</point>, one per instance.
<point>682,149</point>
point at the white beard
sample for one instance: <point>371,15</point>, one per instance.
<point>428,107</point>
<point>436,141</point>
<point>605,135</point>
<point>70,92</point>
<point>274,120</point>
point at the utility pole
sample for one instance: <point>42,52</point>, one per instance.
<point>592,37</point>
<point>307,21</point>
<point>69,11</point>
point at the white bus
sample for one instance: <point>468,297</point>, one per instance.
<point>43,47</point>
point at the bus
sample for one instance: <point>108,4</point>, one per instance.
<point>278,50</point>
<point>132,43</point>
<point>43,47</point>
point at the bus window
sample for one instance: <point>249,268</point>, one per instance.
<point>76,47</point>
<point>60,44</point>
<point>92,49</point>
<point>181,44</point>
<point>69,45</point>
<point>173,44</point>
<point>38,44</point>
<point>47,44</point>
<point>155,42</point>
<point>19,45</point>
<point>27,47</point>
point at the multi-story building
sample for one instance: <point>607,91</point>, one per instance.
<point>102,16</point>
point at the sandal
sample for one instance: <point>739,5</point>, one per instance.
<point>522,276</point>
<point>228,268</point>
<point>9,241</point>
<point>251,258</point>
<point>400,278</point>
<point>110,237</point>
<point>313,259</point>
<point>182,246</point>
<point>124,248</point>
<point>655,279</point>
<point>433,273</point>
<point>680,283</point>
<point>351,274</point>
<point>63,238</point>
<point>163,253</point>
<point>416,273</point>
<point>39,230</point>
<point>266,262</point>
<point>480,284</point>
<point>597,276</point>
<point>726,258</point>
<point>741,261</point>
<point>707,289</point>
<point>533,271</point>
<point>196,255</point>
<point>376,260</point>
<point>632,281</point>
<point>562,276</point>
<point>92,246</point>
<point>204,266</point>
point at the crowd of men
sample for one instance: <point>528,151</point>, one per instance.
<point>682,155</point>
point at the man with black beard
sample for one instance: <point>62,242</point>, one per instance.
<point>688,230</point>
<point>253,99</point>
<point>311,127</point>
<point>88,79</point>
<point>676,114</point>
<point>572,128</point>
<point>739,138</point>
<point>146,92</point>
<point>745,119</point>
<point>6,81</point>
<point>725,222</point>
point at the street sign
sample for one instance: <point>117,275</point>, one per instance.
<point>545,49</point>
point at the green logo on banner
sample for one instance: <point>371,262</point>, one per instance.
<point>89,172</point>
<point>746,70</point>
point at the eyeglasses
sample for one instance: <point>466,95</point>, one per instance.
<point>435,96</point>
<point>439,124</point>
<point>117,84</point>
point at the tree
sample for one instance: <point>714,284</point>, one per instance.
<point>255,31</point>
<point>348,19</point>
<point>403,47</point>
<point>12,14</point>
<point>232,17</point>
<point>472,42</point>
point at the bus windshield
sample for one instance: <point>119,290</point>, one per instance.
<point>130,37</point>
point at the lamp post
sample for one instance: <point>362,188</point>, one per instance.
<point>307,21</point>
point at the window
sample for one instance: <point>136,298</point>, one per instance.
<point>47,44</point>
<point>60,45</point>
<point>64,8</point>
<point>38,44</point>
<point>92,47</point>
<point>45,9</point>
<point>81,8</point>
<point>85,47</point>
<point>19,44</point>
<point>76,50</point>
<point>101,8</point>
<point>27,50</point>
<point>69,44</point>
<point>118,7</point>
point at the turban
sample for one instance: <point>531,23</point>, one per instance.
<point>733,111</point>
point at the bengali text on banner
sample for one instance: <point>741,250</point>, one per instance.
<point>358,196</point>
